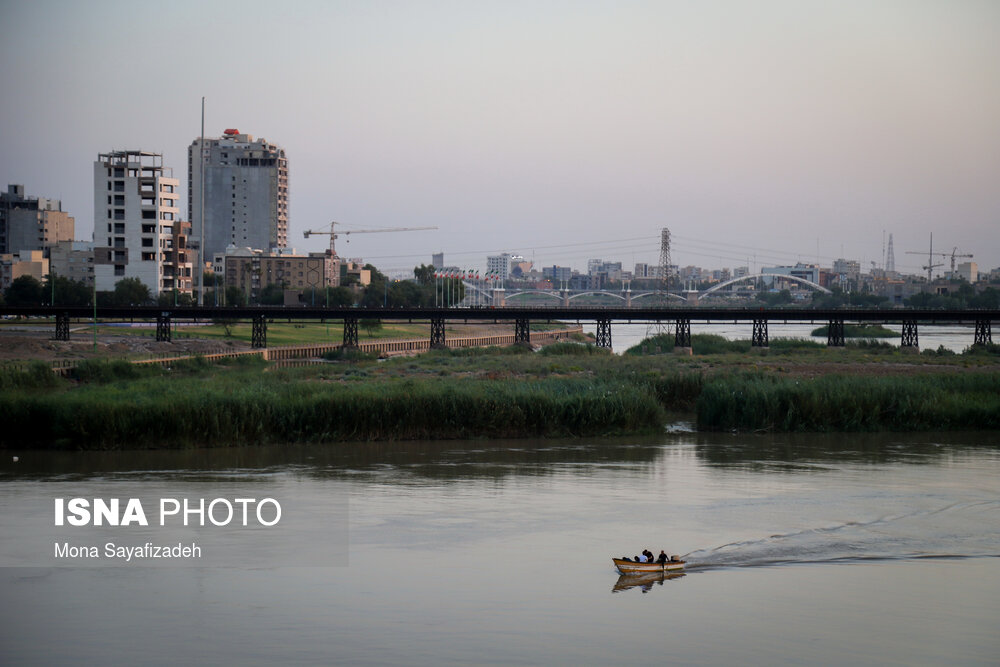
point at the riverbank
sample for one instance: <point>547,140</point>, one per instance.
<point>565,389</point>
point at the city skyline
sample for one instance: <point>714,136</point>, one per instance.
<point>769,134</point>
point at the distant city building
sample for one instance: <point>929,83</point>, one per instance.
<point>594,266</point>
<point>967,271</point>
<point>642,270</point>
<point>557,273</point>
<point>25,263</point>
<point>252,270</point>
<point>246,192</point>
<point>519,266</point>
<point>138,232</point>
<point>499,265</point>
<point>808,272</point>
<point>848,270</point>
<point>437,260</point>
<point>73,260</point>
<point>741,271</point>
<point>31,223</point>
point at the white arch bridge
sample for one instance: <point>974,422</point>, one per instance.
<point>488,294</point>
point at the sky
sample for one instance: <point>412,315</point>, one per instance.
<point>760,133</point>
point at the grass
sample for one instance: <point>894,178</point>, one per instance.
<point>565,389</point>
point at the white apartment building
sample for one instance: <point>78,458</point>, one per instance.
<point>498,265</point>
<point>246,192</point>
<point>138,232</point>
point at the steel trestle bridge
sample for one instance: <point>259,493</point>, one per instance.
<point>682,317</point>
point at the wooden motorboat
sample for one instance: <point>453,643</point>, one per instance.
<point>626,566</point>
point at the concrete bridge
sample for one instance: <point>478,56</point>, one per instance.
<point>521,317</point>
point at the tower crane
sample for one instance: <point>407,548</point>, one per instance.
<point>334,234</point>
<point>931,254</point>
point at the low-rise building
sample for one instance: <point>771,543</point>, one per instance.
<point>13,265</point>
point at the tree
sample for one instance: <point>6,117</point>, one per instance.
<point>68,292</point>
<point>235,296</point>
<point>273,294</point>
<point>131,292</point>
<point>175,298</point>
<point>424,274</point>
<point>338,297</point>
<point>25,291</point>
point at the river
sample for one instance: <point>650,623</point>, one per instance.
<point>802,549</point>
<point>952,337</point>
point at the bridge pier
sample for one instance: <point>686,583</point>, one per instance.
<point>258,336</point>
<point>163,328</point>
<point>350,332</point>
<point>682,333</point>
<point>565,298</point>
<point>522,331</point>
<point>759,334</point>
<point>835,333</point>
<point>62,326</point>
<point>983,334</point>
<point>909,339</point>
<point>604,333</point>
<point>437,333</point>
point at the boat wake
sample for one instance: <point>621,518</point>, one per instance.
<point>951,532</point>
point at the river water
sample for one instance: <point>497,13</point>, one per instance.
<point>847,549</point>
<point>930,337</point>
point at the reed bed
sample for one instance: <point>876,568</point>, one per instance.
<point>199,411</point>
<point>762,402</point>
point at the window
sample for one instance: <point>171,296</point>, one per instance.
<point>147,243</point>
<point>119,242</point>
<point>119,214</point>
<point>119,172</point>
<point>149,256</point>
<point>119,228</point>
<point>149,229</point>
<point>119,255</point>
<point>119,269</point>
<point>119,186</point>
<point>149,215</point>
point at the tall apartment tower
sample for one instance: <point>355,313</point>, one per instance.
<point>138,232</point>
<point>31,223</point>
<point>246,192</point>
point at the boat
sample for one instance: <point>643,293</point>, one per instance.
<point>626,566</point>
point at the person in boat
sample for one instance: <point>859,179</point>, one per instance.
<point>640,559</point>
<point>662,559</point>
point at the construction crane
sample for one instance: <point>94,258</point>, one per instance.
<point>334,234</point>
<point>931,254</point>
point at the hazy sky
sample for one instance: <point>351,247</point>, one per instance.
<point>768,131</point>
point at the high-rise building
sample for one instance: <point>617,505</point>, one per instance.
<point>246,192</point>
<point>499,265</point>
<point>138,232</point>
<point>31,223</point>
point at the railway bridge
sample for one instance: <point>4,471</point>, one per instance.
<point>521,318</point>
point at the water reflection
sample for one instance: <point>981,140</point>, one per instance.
<point>800,451</point>
<point>643,582</point>
<point>496,460</point>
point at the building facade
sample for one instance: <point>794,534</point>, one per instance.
<point>246,192</point>
<point>73,260</point>
<point>252,270</point>
<point>498,265</point>
<point>25,263</point>
<point>138,232</point>
<point>31,223</point>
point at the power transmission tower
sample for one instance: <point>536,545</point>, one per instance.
<point>662,283</point>
<point>890,259</point>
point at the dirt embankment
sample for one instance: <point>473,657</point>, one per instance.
<point>42,347</point>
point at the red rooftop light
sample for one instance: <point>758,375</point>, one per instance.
<point>231,131</point>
